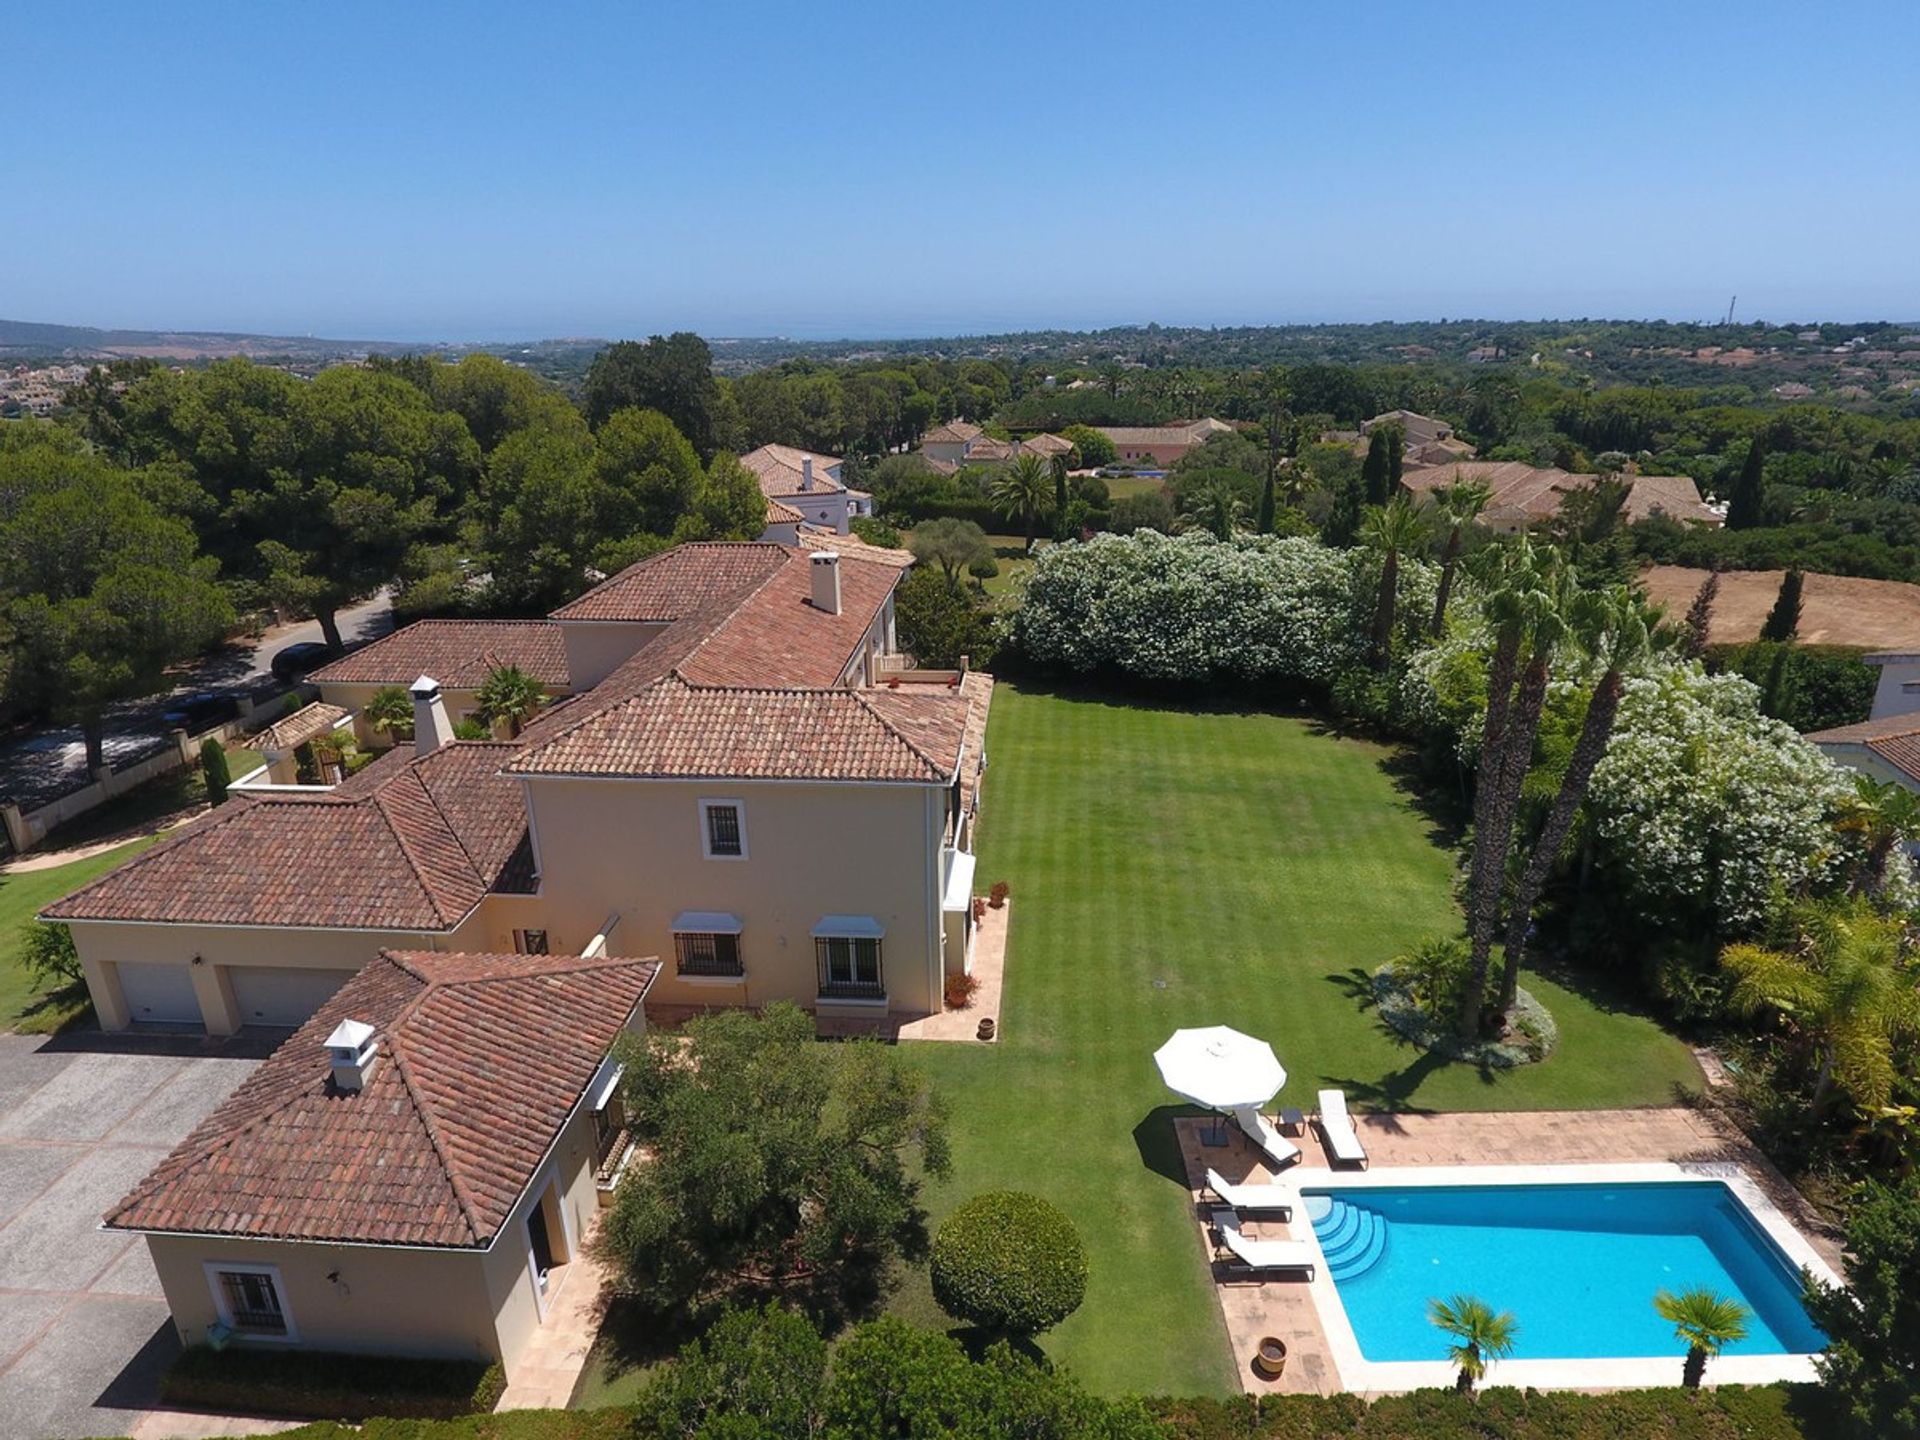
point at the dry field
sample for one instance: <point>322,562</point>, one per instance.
<point>1834,609</point>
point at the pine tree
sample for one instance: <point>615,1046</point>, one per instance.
<point>1783,621</point>
<point>1748,500</point>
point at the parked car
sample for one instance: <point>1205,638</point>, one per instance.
<point>194,713</point>
<point>296,660</point>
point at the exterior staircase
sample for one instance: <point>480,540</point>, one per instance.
<point>1352,1236</point>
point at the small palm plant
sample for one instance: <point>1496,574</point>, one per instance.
<point>1023,492</point>
<point>1480,1335</point>
<point>510,694</point>
<point>390,711</point>
<point>1706,1321</point>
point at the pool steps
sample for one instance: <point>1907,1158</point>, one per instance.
<point>1352,1237</point>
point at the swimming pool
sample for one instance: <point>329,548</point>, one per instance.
<point>1577,1263</point>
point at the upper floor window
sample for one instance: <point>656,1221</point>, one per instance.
<point>531,942</point>
<point>707,954</point>
<point>723,830</point>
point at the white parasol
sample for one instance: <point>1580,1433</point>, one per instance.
<point>1218,1068</point>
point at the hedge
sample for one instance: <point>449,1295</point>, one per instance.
<point>312,1384</point>
<point>613,1424</point>
<point>1730,1413</point>
<point>1009,1261</point>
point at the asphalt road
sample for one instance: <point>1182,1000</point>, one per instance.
<point>42,765</point>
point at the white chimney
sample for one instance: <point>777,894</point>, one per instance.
<point>431,728</point>
<point>826,581</point>
<point>351,1052</point>
<point>806,472</point>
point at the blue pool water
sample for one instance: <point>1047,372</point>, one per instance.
<point>1576,1264</point>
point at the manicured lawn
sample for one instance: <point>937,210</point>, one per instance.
<point>1174,868</point>
<point>21,897</point>
<point>1120,486</point>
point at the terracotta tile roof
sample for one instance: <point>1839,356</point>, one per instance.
<point>775,636</point>
<point>307,723</point>
<point>1525,493</point>
<point>1047,444</point>
<point>675,730</point>
<point>781,471</point>
<point>481,1060</point>
<point>778,514</point>
<point>954,432</point>
<point>677,582</point>
<point>407,844</point>
<point>1192,433</point>
<point>815,539</point>
<point>457,653</point>
<point>1884,727</point>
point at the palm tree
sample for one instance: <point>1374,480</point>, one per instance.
<point>1526,609</point>
<point>1023,491</point>
<point>1459,505</point>
<point>1390,529</point>
<point>1480,1336</point>
<point>390,711</point>
<point>1610,623</point>
<point>1845,988</point>
<point>1884,814</point>
<point>1217,508</point>
<point>1706,1321</point>
<point>1294,482</point>
<point>510,694</point>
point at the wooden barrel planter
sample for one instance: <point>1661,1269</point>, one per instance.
<point>1270,1357</point>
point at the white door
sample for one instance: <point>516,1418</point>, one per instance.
<point>160,993</point>
<point>281,995</point>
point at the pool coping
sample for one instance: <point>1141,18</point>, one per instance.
<point>1613,1372</point>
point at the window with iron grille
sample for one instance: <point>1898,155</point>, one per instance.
<point>849,967</point>
<point>701,954</point>
<point>252,1302</point>
<point>725,836</point>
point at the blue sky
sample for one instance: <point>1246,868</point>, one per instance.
<point>476,171</point>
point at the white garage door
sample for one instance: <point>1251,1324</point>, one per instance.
<point>281,995</point>
<point>161,993</point>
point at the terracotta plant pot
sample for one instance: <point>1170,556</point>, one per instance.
<point>1270,1357</point>
<point>985,1032</point>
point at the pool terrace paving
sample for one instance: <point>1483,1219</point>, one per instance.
<point>1287,1308</point>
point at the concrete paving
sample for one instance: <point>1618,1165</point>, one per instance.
<point>84,1330</point>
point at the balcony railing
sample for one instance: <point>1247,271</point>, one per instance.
<point>711,965</point>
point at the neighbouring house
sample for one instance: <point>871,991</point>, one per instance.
<point>783,524</point>
<point>459,654</point>
<point>750,779</point>
<point>956,445</point>
<point>280,744</point>
<point>1886,745</point>
<point>808,483</point>
<point>1426,441</point>
<point>412,1172</point>
<point>1160,444</point>
<point>1527,495</point>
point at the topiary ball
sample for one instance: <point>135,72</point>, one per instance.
<point>1009,1261</point>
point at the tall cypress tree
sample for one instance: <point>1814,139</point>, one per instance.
<point>1376,477</point>
<point>1783,621</point>
<point>1343,522</point>
<point>1748,500</point>
<point>1396,457</point>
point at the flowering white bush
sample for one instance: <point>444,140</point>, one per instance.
<point>1190,608</point>
<point>1703,803</point>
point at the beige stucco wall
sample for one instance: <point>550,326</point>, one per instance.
<point>596,648</point>
<point>812,850</point>
<point>103,946</point>
<point>388,1300</point>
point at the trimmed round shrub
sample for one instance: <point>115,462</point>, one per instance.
<point>1009,1262</point>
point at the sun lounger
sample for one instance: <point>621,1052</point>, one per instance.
<point>1336,1128</point>
<point>1264,1255</point>
<point>1259,1129</point>
<point>1254,1199</point>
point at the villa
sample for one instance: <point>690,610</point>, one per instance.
<point>957,444</point>
<point>807,485</point>
<point>1161,444</point>
<point>1526,495</point>
<point>413,1172</point>
<point>747,777</point>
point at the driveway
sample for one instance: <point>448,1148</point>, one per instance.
<point>84,1331</point>
<point>40,766</point>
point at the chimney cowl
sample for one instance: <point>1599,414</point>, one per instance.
<point>352,1049</point>
<point>431,727</point>
<point>825,570</point>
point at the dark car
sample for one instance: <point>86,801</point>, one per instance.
<point>194,713</point>
<point>296,660</point>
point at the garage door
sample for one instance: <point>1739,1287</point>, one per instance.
<point>281,995</point>
<point>160,993</point>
